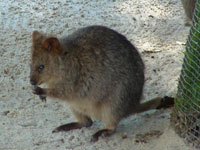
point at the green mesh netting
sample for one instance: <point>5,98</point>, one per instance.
<point>186,115</point>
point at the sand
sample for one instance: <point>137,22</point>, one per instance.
<point>155,27</point>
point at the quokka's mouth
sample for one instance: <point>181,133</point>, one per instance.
<point>39,83</point>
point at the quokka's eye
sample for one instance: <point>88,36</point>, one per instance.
<point>41,68</point>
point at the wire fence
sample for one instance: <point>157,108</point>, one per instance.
<point>186,114</point>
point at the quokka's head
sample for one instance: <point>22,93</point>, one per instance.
<point>44,58</point>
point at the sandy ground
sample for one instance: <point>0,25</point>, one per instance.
<point>156,27</point>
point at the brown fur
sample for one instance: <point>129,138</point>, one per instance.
<point>189,6</point>
<point>96,70</point>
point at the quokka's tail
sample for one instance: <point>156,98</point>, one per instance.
<point>155,103</point>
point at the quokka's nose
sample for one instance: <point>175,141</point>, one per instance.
<point>33,82</point>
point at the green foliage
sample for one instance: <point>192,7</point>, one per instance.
<point>188,96</point>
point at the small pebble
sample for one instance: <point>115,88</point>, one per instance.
<point>124,136</point>
<point>5,113</point>
<point>71,138</point>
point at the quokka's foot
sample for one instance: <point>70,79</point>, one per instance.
<point>70,126</point>
<point>102,133</point>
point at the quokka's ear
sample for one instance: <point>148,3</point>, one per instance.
<point>52,45</point>
<point>36,36</point>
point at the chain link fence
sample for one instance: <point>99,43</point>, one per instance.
<point>186,114</point>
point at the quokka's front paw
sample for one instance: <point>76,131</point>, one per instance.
<point>39,91</point>
<point>43,98</point>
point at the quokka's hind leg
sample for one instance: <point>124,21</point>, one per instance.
<point>111,121</point>
<point>102,133</point>
<point>83,121</point>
